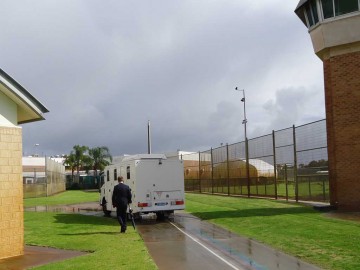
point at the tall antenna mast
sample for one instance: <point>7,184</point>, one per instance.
<point>149,138</point>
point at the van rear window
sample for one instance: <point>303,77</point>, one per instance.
<point>128,172</point>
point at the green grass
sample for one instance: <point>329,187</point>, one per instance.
<point>295,229</point>
<point>68,197</point>
<point>98,235</point>
<point>108,249</point>
<point>314,192</point>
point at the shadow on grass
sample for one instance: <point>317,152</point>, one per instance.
<point>256,212</point>
<point>89,233</point>
<point>83,219</point>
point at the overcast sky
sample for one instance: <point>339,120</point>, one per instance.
<point>104,68</point>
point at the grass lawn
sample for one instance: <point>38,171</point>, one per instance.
<point>309,188</point>
<point>295,229</point>
<point>99,235</point>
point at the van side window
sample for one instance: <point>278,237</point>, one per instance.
<point>115,174</point>
<point>128,172</point>
<point>107,175</point>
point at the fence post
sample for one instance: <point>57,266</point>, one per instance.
<point>46,178</point>
<point>323,182</point>
<point>295,166</point>
<point>286,183</point>
<point>199,172</point>
<point>247,165</point>
<point>181,158</point>
<point>227,168</point>
<point>212,171</point>
<point>275,174</point>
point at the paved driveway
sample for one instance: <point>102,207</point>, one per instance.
<point>186,242</point>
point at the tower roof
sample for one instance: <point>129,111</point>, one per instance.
<point>301,3</point>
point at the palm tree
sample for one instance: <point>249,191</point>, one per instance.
<point>69,161</point>
<point>80,156</point>
<point>101,158</point>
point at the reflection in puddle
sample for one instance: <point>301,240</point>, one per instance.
<point>86,209</point>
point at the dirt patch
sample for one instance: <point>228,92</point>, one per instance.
<point>36,256</point>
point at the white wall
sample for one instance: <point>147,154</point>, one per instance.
<point>8,111</point>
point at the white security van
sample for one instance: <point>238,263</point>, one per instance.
<point>156,183</point>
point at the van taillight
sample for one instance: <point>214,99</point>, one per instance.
<point>141,204</point>
<point>180,202</point>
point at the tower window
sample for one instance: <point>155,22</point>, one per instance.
<point>328,8</point>
<point>344,7</point>
<point>314,11</point>
<point>311,13</point>
<point>339,6</point>
<point>309,16</point>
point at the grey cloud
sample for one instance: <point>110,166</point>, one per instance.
<point>104,69</point>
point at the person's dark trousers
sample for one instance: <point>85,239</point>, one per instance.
<point>121,216</point>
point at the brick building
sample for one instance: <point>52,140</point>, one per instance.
<point>334,29</point>
<point>17,106</point>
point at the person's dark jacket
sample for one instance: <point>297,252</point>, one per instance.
<point>121,196</point>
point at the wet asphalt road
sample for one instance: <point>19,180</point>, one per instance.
<point>186,242</point>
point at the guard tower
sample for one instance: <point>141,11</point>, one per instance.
<point>334,27</point>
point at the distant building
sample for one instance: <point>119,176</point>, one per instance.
<point>17,106</point>
<point>43,176</point>
<point>33,170</point>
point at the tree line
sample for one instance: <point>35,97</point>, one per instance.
<point>85,158</point>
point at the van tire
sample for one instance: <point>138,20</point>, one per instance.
<point>107,213</point>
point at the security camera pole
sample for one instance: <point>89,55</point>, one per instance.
<point>246,142</point>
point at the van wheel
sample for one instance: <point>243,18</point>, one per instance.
<point>107,213</point>
<point>103,204</point>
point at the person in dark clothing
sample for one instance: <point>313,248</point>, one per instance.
<point>120,199</point>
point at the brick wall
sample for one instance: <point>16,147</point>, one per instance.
<point>11,193</point>
<point>342,97</point>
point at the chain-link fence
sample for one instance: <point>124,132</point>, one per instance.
<point>44,180</point>
<point>291,163</point>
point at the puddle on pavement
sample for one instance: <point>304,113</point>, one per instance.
<point>248,253</point>
<point>36,256</point>
<point>84,208</point>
